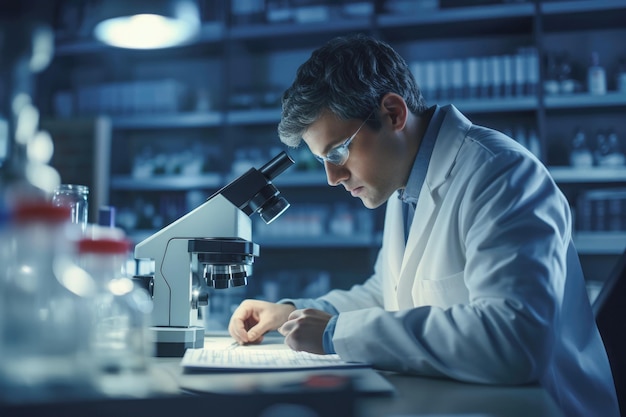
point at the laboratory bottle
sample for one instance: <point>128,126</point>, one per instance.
<point>76,197</point>
<point>120,345</point>
<point>607,149</point>
<point>45,327</point>
<point>596,76</point>
<point>580,154</point>
<point>621,76</point>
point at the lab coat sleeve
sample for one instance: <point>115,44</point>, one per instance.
<point>514,227</point>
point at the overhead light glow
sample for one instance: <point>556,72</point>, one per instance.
<point>146,31</point>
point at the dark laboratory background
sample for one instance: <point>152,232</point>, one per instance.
<point>155,132</point>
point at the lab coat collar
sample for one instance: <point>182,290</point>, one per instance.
<point>452,132</point>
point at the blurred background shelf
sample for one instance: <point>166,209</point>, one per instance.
<point>156,121</point>
<point>600,243</point>
<point>581,100</point>
<point>164,183</point>
<point>215,103</point>
<point>588,175</point>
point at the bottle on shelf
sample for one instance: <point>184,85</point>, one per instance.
<point>567,84</point>
<point>621,75</point>
<point>607,150</point>
<point>580,154</point>
<point>551,82</point>
<point>596,76</point>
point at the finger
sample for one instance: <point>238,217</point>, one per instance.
<point>295,314</point>
<point>237,325</point>
<point>289,341</point>
<point>237,331</point>
<point>286,328</point>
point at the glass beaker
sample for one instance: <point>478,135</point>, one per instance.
<point>74,197</point>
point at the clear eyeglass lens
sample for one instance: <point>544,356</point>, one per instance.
<point>337,156</point>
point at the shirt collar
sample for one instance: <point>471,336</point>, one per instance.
<point>420,166</point>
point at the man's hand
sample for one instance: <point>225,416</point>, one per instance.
<point>304,330</point>
<point>253,318</point>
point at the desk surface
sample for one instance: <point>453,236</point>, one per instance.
<point>251,394</point>
<point>413,395</point>
<point>426,396</point>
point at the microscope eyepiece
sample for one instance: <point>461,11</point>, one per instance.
<point>254,192</point>
<point>273,208</point>
<point>276,166</point>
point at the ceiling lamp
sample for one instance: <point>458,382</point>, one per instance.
<point>151,24</point>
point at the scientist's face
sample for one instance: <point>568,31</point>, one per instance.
<point>373,170</point>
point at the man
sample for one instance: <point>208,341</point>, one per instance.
<point>477,278</point>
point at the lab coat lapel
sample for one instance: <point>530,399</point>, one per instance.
<point>394,236</point>
<point>422,223</point>
<point>449,140</point>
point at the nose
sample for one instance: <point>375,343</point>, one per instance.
<point>335,174</point>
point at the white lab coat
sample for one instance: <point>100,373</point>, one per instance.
<point>488,288</point>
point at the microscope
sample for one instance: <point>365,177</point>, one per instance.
<point>209,247</point>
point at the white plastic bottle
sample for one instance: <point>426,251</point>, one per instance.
<point>45,327</point>
<point>120,344</point>
<point>596,76</point>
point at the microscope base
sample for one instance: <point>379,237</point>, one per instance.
<point>171,342</point>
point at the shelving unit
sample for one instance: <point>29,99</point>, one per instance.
<point>232,64</point>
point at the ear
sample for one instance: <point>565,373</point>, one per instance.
<point>394,110</point>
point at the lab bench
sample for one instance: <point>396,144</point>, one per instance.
<point>246,394</point>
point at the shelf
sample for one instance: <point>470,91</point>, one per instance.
<point>478,20</point>
<point>211,32</point>
<point>279,31</point>
<point>583,14</point>
<point>581,6</point>
<point>272,115</point>
<point>457,15</point>
<point>166,183</point>
<point>209,181</point>
<point>326,241</point>
<point>302,179</point>
<point>569,101</point>
<point>600,243</point>
<point>486,19</point>
<point>175,120</point>
<point>587,243</point>
<point>497,105</point>
<point>256,116</point>
<point>588,175</point>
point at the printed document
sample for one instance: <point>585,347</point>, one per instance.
<point>255,358</point>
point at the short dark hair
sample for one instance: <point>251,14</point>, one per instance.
<point>348,76</point>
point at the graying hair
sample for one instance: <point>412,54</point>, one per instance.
<point>348,76</point>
